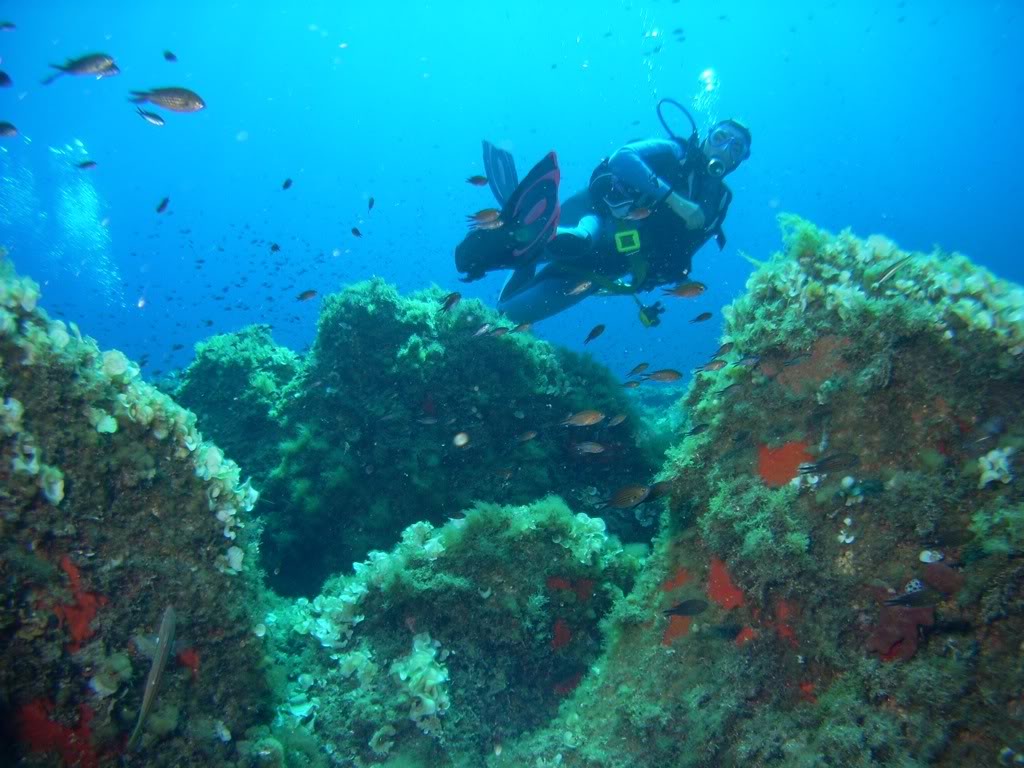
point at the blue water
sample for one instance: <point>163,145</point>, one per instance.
<point>900,118</point>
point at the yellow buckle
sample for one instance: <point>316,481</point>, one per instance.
<point>627,241</point>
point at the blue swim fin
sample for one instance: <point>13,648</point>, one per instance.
<point>501,172</point>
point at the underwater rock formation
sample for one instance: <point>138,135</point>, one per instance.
<point>866,602</point>
<point>114,508</point>
<point>373,421</point>
<point>460,637</point>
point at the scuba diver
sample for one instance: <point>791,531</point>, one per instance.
<point>647,210</point>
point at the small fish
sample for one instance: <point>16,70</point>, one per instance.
<point>596,331</point>
<point>169,56</point>
<point>274,247</point>
<point>496,224</point>
<point>95,64</point>
<point>797,359</point>
<point>163,205</point>
<point>725,349</point>
<point>693,607</point>
<point>892,270</point>
<point>485,216</point>
<point>306,295</point>
<point>356,232</point>
<point>522,328</point>
<point>150,117</point>
<point>499,332</point>
<point>588,448</point>
<point>584,419</point>
<point>916,598</point>
<point>638,214</point>
<point>5,80</point>
<point>731,387</point>
<point>697,429</point>
<point>686,290</point>
<point>174,99</point>
<point>482,330</point>
<point>701,317</point>
<point>665,374</point>
<point>832,463</point>
<point>87,165</point>
<point>712,365</point>
<point>286,184</point>
<point>660,489</point>
<point>580,287</point>
<point>749,361</point>
<point>6,26</point>
<point>632,384</point>
<point>369,204</point>
<point>527,436</point>
<point>629,496</point>
<point>477,181</point>
<point>617,419</point>
<point>638,369</point>
<point>450,301</point>
<point>427,420</point>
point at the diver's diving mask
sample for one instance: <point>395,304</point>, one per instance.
<point>726,147</point>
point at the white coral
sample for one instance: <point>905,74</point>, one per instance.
<point>995,466</point>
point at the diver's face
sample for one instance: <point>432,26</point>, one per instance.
<point>725,148</point>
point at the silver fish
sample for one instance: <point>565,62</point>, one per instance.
<point>174,99</point>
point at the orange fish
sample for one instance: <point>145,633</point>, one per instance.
<point>450,300</point>
<point>588,447</point>
<point>488,225</point>
<point>584,419</point>
<point>477,181</point>
<point>499,332</point>
<point>522,328</point>
<point>685,290</point>
<point>596,331</point>
<point>306,295</point>
<point>665,374</point>
<point>638,213</point>
<point>725,349</point>
<point>628,496</point>
<point>714,365</point>
<point>485,216</point>
<point>639,368</point>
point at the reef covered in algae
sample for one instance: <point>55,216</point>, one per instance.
<point>356,440</point>
<point>835,578</point>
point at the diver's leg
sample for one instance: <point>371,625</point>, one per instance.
<point>570,243</point>
<point>547,294</point>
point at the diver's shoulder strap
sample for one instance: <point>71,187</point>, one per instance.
<point>715,228</point>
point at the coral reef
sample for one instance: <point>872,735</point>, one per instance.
<point>365,430</point>
<point>113,507</point>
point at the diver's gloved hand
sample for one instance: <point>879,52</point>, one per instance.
<point>688,211</point>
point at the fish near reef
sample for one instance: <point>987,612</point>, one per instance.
<point>584,419</point>
<point>588,447</point>
<point>629,496</point>
<point>174,99</point>
<point>693,607</point>
<point>665,374</point>
<point>450,301</point>
<point>596,331</point>
<point>835,462</point>
<point>686,290</point>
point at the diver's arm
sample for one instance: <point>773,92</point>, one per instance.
<point>630,166</point>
